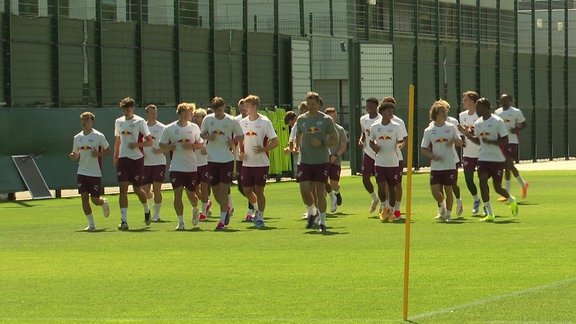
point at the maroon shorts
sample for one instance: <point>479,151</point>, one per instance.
<point>510,151</point>
<point>183,179</point>
<point>298,172</point>
<point>387,174</point>
<point>202,174</point>
<point>334,172</point>
<point>89,184</point>
<point>494,169</point>
<point>153,173</point>
<point>220,172</point>
<point>239,167</point>
<point>368,167</point>
<point>469,164</point>
<point>254,176</point>
<point>443,177</point>
<point>313,172</point>
<point>129,170</point>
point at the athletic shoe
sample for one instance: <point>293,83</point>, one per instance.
<point>259,223</point>
<point>228,214</point>
<point>525,190</point>
<point>180,227</point>
<point>338,199</point>
<point>390,217</point>
<point>476,207</point>
<point>305,215</point>
<point>220,227</point>
<point>383,215</point>
<point>311,219</point>
<point>147,218</point>
<point>195,217</point>
<point>123,226</point>
<point>514,207</point>
<point>459,207</point>
<point>249,218</point>
<point>448,219</point>
<point>89,228</point>
<point>489,218</point>
<point>322,228</point>
<point>202,217</point>
<point>397,214</point>
<point>502,199</point>
<point>441,215</point>
<point>373,206</point>
<point>156,220</point>
<point>106,208</point>
<point>333,203</point>
<point>484,212</point>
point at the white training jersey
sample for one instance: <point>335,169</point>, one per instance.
<point>201,158</point>
<point>151,158</point>
<point>404,133</point>
<point>491,128</point>
<point>437,139</point>
<point>365,123</point>
<point>182,160</point>
<point>236,148</point>
<point>130,131</point>
<point>225,129</point>
<point>387,137</point>
<point>467,120</point>
<point>511,117</point>
<point>454,122</point>
<point>89,165</point>
<point>256,133</point>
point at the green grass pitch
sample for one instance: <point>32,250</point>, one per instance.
<point>515,270</point>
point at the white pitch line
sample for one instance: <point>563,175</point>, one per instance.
<point>495,298</point>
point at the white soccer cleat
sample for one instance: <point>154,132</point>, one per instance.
<point>459,207</point>
<point>180,227</point>
<point>333,203</point>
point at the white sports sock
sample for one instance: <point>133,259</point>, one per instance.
<point>323,218</point>
<point>488,208</point>
<point>146,208</point>
<point>181,219</point>
<point>521,181</point>
<point>230,202</point>
<point>124,214</point>
<point>194,210</point>
<point>204,206</point>
<point>332,194</point>
<point>475,197</point>
<point>374,196</point>
<point>255,205</point>
<point>311,210</point>
<point>336,192</point>
<point>397,205</point>
<point>90,219</point>
<point>260,215</point>
<point>157,210</point>
<point>508,185</point>
<point>223,216</point>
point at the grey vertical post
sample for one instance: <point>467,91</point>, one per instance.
<point>566,85</point>
<point>277,52</point>
<point>211,61</point>
<point>550,74</point>
<point>139,56</point>
<point>98,58</point>
<point>533,78</point>
<point>301,15</point>
<point>516,49</point>
<point>354,98</point>
<point>245,47</point>
<point>391,20</point>
<point>331,13</point>
<point>478,46</point>
<point>55,49</point>
<point>458,55</point>
<point>7,52</point>
<point>177,53</point>
<point>437,54</point>
<point>498,47</point>
<point>366,21</point>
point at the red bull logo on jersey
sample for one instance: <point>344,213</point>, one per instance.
<point>126,132</point>
<point>218,132</point>
<point>251,133</point>
<point>484,134</point>
<point>506,120</point>
<point>85,147</point>
<point>385,138</point>
<point>313,130</point>
<point>442,140</point>
<point>184,140</point>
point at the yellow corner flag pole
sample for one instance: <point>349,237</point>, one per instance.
<point>408,198</point>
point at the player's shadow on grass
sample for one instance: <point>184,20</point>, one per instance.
<point>139,230</point>
<point>329,231</point>
<point>339,214</point>
<point>505,221</point>
<point>264,228</point>
<point>98,230</point>
<point>21,204</point>
<point>190,230</point>
<point>227,230</point>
